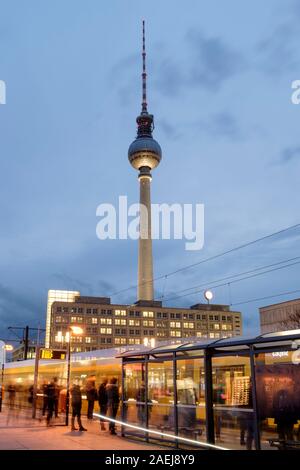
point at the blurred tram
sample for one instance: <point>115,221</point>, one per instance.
<point>93,365</point>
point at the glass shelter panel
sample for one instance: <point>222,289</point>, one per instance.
<point>190,382</point>
<point>161,414</point>
<point>232,402</point>
<point>134,406</point>
<point>278,398</point>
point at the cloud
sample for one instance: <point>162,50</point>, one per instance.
<point>205,62</point>
<point>290,153</point>
<point>222,124</point>
<point>213,62</point>
<point>16,309</point>
<point>279,52</point>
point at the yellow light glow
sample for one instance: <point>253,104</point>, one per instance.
<point>9,347</point>
<point>76,330</point>
<point>208,294</point>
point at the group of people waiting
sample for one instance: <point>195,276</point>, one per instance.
<point>108,398</point>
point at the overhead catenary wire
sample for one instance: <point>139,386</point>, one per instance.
<point>232,282</point>
<point>232,276</point>
<point>211,258</point>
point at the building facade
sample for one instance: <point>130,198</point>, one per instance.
<point>107,325</point>
<point>281,316</point>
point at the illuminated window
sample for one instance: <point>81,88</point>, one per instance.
<point>188,325</point>
<point>73,319</point>
<point>211,335</point>
<point>95,321</point>
<point>217,326</point>
<point>224,327</point>
<point>117,340</point>
<point>137,341</point>
<point>117,321</point>
<point>148,314</point>
<point>108,331</point>
<point>120,313</point>
<point>79,319</point>
<point>88,339</point>
<point>131,341</point>
<point>58,319</point>
<point>199,334</point>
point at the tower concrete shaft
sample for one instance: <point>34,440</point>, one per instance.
<point>145,261</point>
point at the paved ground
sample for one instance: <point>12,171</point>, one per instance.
<point>25,433</point>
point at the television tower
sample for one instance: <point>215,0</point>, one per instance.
<point>144,155</point>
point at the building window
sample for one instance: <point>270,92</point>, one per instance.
<point>95,311</point>
<point>199,334</point>
<point>178,315</point>
<point>217,317</point>
<point>79,319</point>
<point>74,310</point>
<point>131,313</point>
<point>131,332</point>
<point>88,310</point>
<point>65,309</point>
<point>217,326</point>
<point>120,313</point>
<point>158,315</point>
<point>137,332</point>
<point>88,339</point>
<point>211,335</point>
<point>191,316</point>
<point>108,340</point>
<point>58,319</point>
<point>95,321</point>
<point>148,314</point>
<point>204,317</point>
<point>165,315</point>
<point>172,315</point>
<point>224,327</point>
<point>80,310</point>
<point>223,318</point>
<point>73,319</point>
<point>211,317</point>
<point>58,309</point>
<point>188,325</point>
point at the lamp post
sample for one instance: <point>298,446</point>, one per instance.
<point>76,331</point>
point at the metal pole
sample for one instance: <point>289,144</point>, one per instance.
<point>210,432</point>
<point>3,355</point>
<point>254,400</point>
<point>1,390</point>
<point>35,383</point>
<point>68,380</point>
<point>175,398</point>
<point>146,397</point>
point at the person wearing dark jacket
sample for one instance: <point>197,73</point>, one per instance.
<point>76,407</point>
<point>102,400</point>
<point>91,395</point>
<point>50,394</point>
<point>113,399</point>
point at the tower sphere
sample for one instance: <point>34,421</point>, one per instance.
<point>144,151</point>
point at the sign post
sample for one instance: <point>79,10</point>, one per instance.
<point>48,354</point>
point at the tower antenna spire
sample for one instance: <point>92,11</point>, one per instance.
<point>144,74</point>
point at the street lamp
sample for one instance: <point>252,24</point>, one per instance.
<point>76,331</point>
<point>208,295</point>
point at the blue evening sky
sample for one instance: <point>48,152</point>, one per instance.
<point>219,85</point>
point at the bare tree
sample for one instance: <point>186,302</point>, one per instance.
<point>293,321</point>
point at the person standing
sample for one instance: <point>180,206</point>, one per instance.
<point>102,400</point>
<point>50,394</point>
<point>76,408</point>
<point>113,399</point>
<point>91,395</point>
